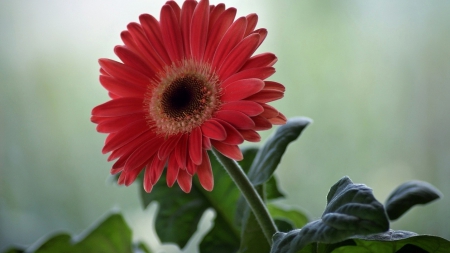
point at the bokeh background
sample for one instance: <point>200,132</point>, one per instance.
<point>374,75</point>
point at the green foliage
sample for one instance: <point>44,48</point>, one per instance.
<point>269,156</point>
<point>396,241</point>
<point>109,236</point>
<point>293,216</point>
<point>351,210</point>
<point>235,227</point>
<point>409,194</point>
<point>179,213</point>
<point>261,175</point>
<point>353,220</point>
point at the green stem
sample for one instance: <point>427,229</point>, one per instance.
<point>250,194</point>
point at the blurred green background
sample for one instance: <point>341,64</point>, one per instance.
<point>373,75</point>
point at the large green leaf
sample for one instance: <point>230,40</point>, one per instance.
<point>253,239</point>
<point>396,241</point>
<point>408,195</point>
<point>297,218</point>
<point>260,174</point>
<point>179,212</point>
<point>220,239</point>
<point>351,210</point>
<point>269,156</point>
<point>109,236</point>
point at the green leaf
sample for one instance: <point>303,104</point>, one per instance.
<point>260,174</point>
<point>249,154</point>
<point>179,212</point>
<point>253,239</point>
<point>297,218</point>
<point>220,239</point>
<point>408,195</point>
<point>271,189</point>
<point>397,241</point>
<point>111,235</point>
<point>351,210</point>
<point>283,225</point>
<point>269,156</point>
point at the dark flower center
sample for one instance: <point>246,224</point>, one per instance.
<point>183,97</point>
<point>186,95</point>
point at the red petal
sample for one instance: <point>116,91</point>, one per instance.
<point>148,186</point>
<point>278,120</point>
<point>119,107</point>
<point>145,48</point>
<point>252,20</point>
<point>206,143</point>
<point>129,41</point>
<point>230,151</point>
<point>141,155</point>
<point>123,72</point>
<point>241,89</point>
<point>115,171</point>
<point>98,119</point>
<point>271,85</point>
<point>266,96</point>
<point>191,168</point>
<point>156,170</point>
<point>213,130</point>
<point>217,31</point>
<point>120,163</point>
<point>125,135</point>
<point>152,31</point>
<point>215,14</point>
<point>262,35</point>
<point>260,60</point>
<point>172,171</point>
<point>259,73</point>
<point>171,33</point>
<point>233,135</point>
<point>238,56</point>
<point>168,146</point>
<point>199,29</point>
<point>205,174</point>
<point>195,146</point>
<point>181,151</point>
<point>232,37</point>
<point>186,17</point>
<point>133,60</point>
<point>250,108</point>
<point>250,135</point>
<point>184,181</point>
<point>269,111</point>
<point>235,118</point>
<point>122,88</point>
<point>261,123</point>
<point>176,9</point>
<point>130,176</point>
<point>114,124</point>
<point>121,178</point>
<point>128,148</point>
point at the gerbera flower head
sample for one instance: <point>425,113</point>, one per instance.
<point>185,84</point>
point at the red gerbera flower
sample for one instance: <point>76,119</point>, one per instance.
<point>186,83</point>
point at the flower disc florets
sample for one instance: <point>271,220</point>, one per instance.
<point>184,96</point>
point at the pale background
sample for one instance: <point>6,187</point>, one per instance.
<point>374,76</point>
